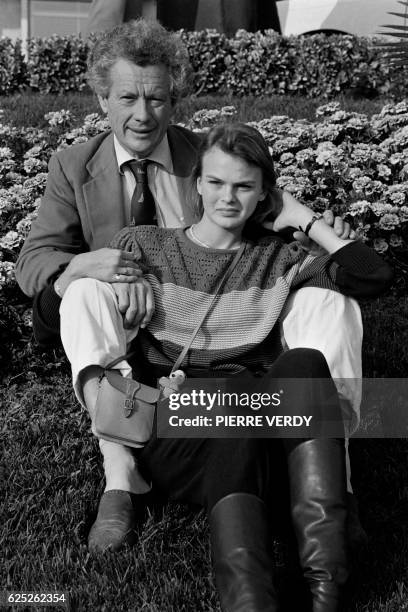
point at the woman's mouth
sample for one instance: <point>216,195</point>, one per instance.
<point>228,211</point>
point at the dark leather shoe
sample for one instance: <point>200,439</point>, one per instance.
<point>115,524</point>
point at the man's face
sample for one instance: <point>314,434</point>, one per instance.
<point>138,106</point>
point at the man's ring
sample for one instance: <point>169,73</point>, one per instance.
<point>117,276</point>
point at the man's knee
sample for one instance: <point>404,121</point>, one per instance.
<point>84,288</point>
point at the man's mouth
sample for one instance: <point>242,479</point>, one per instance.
<point>141,132</point>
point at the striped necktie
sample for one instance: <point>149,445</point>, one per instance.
<point>142,206</point>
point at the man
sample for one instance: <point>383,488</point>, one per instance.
<point>138,71</point>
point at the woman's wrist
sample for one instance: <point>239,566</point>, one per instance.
<point>301,217</point>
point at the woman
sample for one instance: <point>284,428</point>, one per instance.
<point>231,478</point>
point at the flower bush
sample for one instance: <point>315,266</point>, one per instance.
<point>250,63</point>
<point>346,161</point>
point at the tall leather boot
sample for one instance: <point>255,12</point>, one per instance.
<point>319,510</point>
<point>240,550</point>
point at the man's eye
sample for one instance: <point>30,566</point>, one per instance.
<point>214,182</point>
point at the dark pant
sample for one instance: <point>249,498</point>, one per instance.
<point>203,471</point>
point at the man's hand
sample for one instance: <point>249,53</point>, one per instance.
<point>109,265</point>
<point>136,302</point>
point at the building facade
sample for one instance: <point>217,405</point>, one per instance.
<point>27,18</point>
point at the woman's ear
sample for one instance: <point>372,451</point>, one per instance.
<point>200,191</point>
<point>262,196</point>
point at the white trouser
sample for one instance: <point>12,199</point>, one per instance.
<point>92,334</point>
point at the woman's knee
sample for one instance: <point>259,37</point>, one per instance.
<point>235,465</point>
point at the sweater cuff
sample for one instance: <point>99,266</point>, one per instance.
<point>358,257</point>
<point>46,317</point>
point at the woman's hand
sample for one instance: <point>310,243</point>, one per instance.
<point>341,228</point>
<point>293,214</point>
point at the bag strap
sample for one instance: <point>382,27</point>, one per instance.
<point>196,329</point>
<point>190,341</point>
<point>112,364</point>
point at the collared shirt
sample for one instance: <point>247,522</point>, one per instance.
<point>162,184</point>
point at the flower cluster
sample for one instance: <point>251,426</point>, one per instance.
<point>206,118</point>
<point>349,162</point>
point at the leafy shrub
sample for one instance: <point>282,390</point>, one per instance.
<point>267,63</point>
<point>57,64</point>
<point>13,73</point>
<point>248,64</point>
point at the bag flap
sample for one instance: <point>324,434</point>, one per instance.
<point>131,387</point>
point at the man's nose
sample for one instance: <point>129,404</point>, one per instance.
<point>140,109</point>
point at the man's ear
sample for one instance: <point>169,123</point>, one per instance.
<point>103,103</point>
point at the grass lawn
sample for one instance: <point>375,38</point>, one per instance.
<point>26,109</point>
<point>51,473</point>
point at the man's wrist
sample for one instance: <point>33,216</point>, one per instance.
<point>61,283</point>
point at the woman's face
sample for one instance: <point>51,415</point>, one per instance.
<point>230,189</point>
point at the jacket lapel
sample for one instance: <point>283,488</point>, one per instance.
<point>183,148</point>
<point>103,195</point>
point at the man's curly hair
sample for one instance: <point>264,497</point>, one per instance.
<point>142,42</point>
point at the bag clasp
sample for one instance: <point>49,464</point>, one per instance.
<point>130,401</point>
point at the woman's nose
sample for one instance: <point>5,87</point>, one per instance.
<point>229,193</point>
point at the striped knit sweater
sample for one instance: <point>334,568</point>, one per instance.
<point>241,328</point>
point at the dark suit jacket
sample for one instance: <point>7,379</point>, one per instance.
<point>83,206</point>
